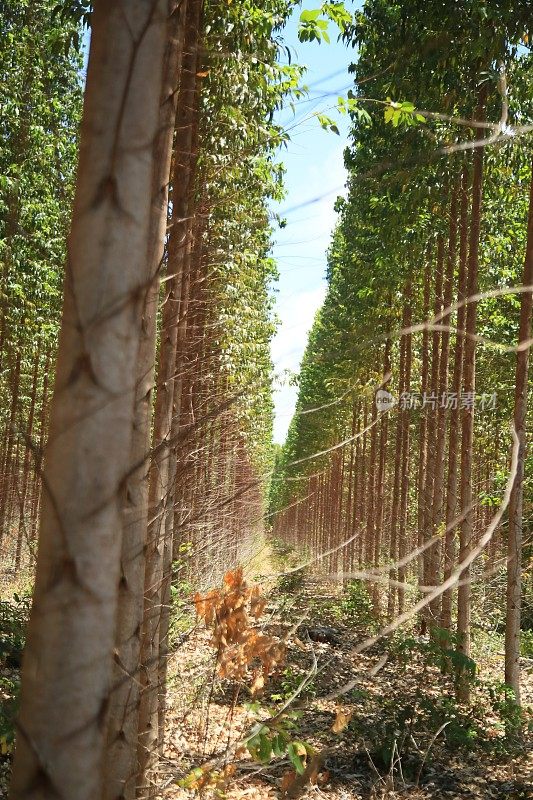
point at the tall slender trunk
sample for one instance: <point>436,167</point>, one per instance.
<point>371,489</point>
<point>39,457</point>
<point>455,415</point>
<point>395,504</point>
<point>514,544</point>
<point>404,412</point>
<point>24,528</point>
<point>7,461</point>
<point>160,490</point>
<point>467,423</point>
<point>68,658</point>
<point>431,554</point>
<point>422,436</point>
<point>442,402</point>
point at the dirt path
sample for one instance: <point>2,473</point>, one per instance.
<point>400,733</point>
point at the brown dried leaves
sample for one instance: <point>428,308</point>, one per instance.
<point>243,651</point>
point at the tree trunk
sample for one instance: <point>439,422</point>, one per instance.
<point>455,416</point>
<point>24,529</point>
<point>514,546</point>
<point>121,765</point>
<point>467,424</point>
<point>431,554</point>
<point>442,412</point>
<point>404,413</point>
<point>422,438</point>
<point>160,492</point>
<point>68,659</point>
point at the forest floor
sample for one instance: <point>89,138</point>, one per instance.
<point>400,733</point>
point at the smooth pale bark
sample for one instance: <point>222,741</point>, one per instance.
<point>121,765</point>
<point>514,545</point>
<point>68,659</point>
<point>467,425</point>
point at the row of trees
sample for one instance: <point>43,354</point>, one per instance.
<point>40,98</point>
<point>398,458</point>
<point>154,446</point>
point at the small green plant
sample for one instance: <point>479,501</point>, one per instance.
<point>511,715</point>
<point>526,644</point>
<point>357,604</point>
<point>291,679</point>
<point>277,741</point>
<point>13,620</point>
<point>9,689</point>
<point>440,650</point>
<point>286,559</point>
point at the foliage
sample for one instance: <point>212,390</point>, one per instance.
<point>286,559</point>
<point>357,604</point>
<point>233,612</point>
<point>440,649</point>
<point>9,691</point>
<point>13,620</point>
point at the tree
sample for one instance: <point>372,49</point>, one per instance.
<point>67,664</point>
<point>514,548</point>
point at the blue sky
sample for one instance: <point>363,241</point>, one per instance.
<point>314,169</point>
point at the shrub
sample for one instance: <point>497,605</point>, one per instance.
<point>13,619</point>
<point>358,605</point>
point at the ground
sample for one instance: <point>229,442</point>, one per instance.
<point>405,716</point>
<point>396,734</point>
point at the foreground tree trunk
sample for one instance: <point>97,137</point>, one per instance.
<point>67,665</point>
<point>121,765</point>
<point>514,546</point>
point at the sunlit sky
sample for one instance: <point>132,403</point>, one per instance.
<point>314,169</point>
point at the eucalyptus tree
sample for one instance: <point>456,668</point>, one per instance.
<point>40,101</point>
<point>432,200</point>
<point>67,663</point>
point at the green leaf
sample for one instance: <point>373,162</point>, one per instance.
<point>265,748</point>
<point>296,760</point>
<point>279,745</point>
<point>310,15</point>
